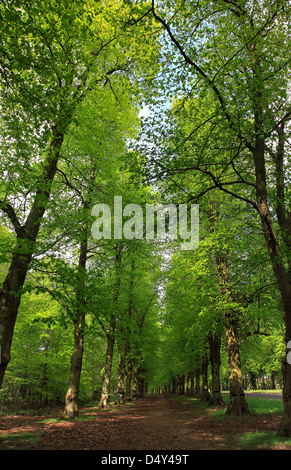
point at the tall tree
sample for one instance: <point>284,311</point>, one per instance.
<point>238,54</point>
<point>82,180</point>
<point>52,55</point>
<point>71,408</point>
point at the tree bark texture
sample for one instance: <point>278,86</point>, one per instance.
<point>237,402</point>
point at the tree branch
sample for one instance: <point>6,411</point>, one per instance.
<point>251,297</point>
<point>201,72</point>
<point>69,184</point>
<point>10,212</point>
<point>257,332</point>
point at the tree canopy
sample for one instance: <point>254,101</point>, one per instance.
<point>110,110</point>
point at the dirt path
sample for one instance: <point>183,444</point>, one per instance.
<point>153,423</point>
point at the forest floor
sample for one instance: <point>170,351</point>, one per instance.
<point>153,423</point>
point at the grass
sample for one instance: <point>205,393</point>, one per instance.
<point>179,397</point>
<point>23,408</point>
<point>49,420</point>
<point>19,440</point>
<point>259,406</point>
<point>263,440</point>
<point>273,392</point>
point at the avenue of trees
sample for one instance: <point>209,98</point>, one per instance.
<point>171,102</point>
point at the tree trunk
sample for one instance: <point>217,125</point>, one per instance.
<point>181,381</point>
<point>278,382</point>
<point>178,384</point>
<point>120,378</point>
<point>140,387</point>
<point>214,353</point>
<point>197,390</point>
<point>124,346</point>
<point>10,293</point>
<point>283,280</point>
<point>284,429</point>
<point>282,273</point>
<point>237,403</point>
<point>187,385</point>
<point>128,380</point>
<point>71,400</point>
<point>173,385</point>
<point>252,381</point>
<point>9,302</point>
<point>44,382</point>
<point>105,395</point>
<point>191,374</point>
<point>262,380</point>
<point>284,285</point>
<point>135,382</point>
<point>205,395</point>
